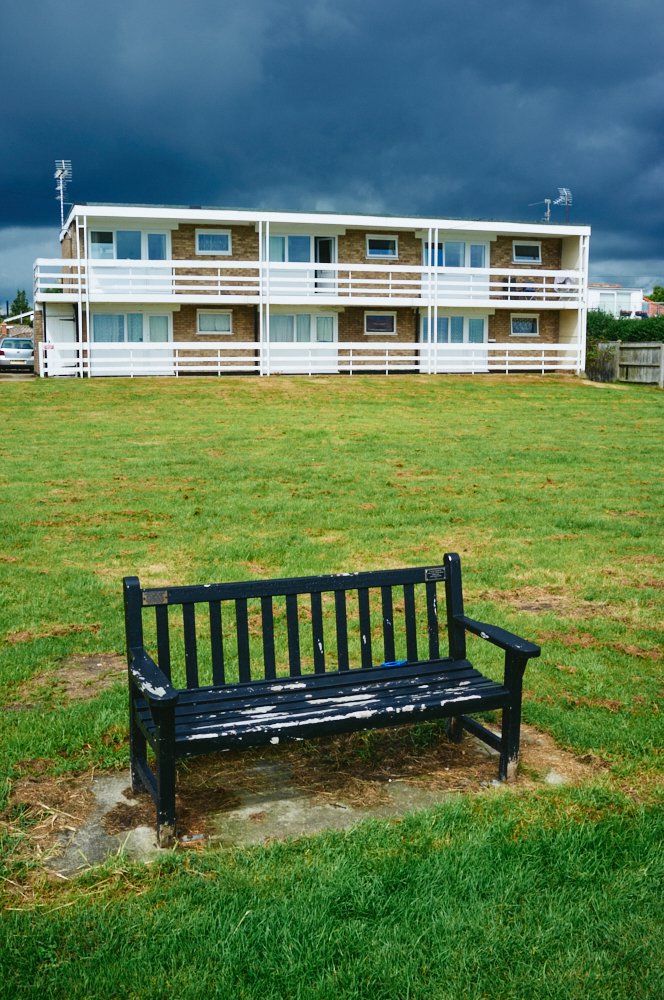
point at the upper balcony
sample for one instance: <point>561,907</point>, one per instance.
<point>259,282</point>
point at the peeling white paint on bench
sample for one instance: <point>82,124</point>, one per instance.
<point>146,687</point>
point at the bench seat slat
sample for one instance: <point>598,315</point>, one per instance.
<point>334,715</point>
<point>211,700</point>
<point>250,713</point>
<point>288,687</point>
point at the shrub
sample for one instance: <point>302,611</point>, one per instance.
<point>600,361</point>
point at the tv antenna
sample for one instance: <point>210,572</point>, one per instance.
<point>564,198</point>
<point>547,210</point>
<point>62,176</point>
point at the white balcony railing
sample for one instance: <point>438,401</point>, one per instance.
<point>206,282</point>
<point>224,358</point>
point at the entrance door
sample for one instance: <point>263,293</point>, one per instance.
<point>60,352</point>
<point>325,279</point>
<point>459,344</point>
<point>302,342</point>
<point>118,344</point>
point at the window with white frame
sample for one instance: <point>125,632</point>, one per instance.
<point>455,330</point>
<point>297,248</point>
<point>216,242</point>
<point>127,244</point>
<point>380,324</point>
<point>301,328</point>
<point>383,247</point>
<point>524,325</point>
<point>130,328</point>
<point>456,253</point>
<point>211,323</point>
<point>526,252</point>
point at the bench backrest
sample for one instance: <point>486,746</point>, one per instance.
<point>264,629</point>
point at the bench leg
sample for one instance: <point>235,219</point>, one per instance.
<point>454,729</point>
<point>511,721</point>
<point>165,753</point>
<point>137,750</point>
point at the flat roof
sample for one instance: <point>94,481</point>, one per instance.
<point>201,213</point>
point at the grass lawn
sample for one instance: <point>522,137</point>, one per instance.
<point>552,492</point>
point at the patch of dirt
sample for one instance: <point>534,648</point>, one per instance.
<point>52,632</point>
<point>42,808</point>
<point>79,678</point>
<point>352,770</point>
<point>585,640</point>
<point>538,599</point>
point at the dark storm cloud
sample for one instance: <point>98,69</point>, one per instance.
<point>473,109</point>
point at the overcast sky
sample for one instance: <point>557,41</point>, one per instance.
<point>470,109</point>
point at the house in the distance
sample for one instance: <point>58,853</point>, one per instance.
<point>149,290</point>
<point>616,300</point>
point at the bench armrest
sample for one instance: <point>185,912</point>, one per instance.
<point>499,637</point>
<point>152,682</point>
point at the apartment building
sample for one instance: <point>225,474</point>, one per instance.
<point>145,290</point>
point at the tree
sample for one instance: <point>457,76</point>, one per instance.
<point>19,305</point>
<point>657,294</point>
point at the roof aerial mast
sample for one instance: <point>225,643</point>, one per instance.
<point>564,198</point>
<point>63,176</point>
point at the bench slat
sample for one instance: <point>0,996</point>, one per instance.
<point>163,639</point>
<point>317,633</point>
<point>293,626</point>
<point>267,616</point>
<point>190,653</point>
<point>341,616</point>
<point>411,622</point>
<point>432,620</point>
<point>365,627</point>
<point>357,681</point>
<point>217,643</point>
<point>315,708</point>
<point>387,606</point>
<point>295,585</point>
<point>242,631</point>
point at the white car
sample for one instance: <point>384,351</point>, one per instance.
<point>17,354</point>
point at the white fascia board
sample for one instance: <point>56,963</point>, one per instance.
<point>319,219</point>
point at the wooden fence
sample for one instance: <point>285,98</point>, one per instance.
<point>635,362</point>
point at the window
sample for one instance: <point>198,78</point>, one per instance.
<point>213,241</point>
<point>380,323</point>
<point>526,253</point>
<point>384,247</point>
<point>524,325</point>
<point>101,246</point>
<point>301,328</point>
<point>455,329</point>
<point>290,248</point>
<point>128,244</point>
<point>208,322</point>
<point>130,328</point>
<point>456,253</point>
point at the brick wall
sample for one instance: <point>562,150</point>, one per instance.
<point>244,243</point>
<point>243,324</point>
<point>351,326</point>
<point>549,327</point>
<point>501,253</point>
<point>353,248</point>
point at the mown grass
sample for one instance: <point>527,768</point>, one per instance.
<point>550,489</point>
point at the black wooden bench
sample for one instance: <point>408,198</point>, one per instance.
<point>244,664</point>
